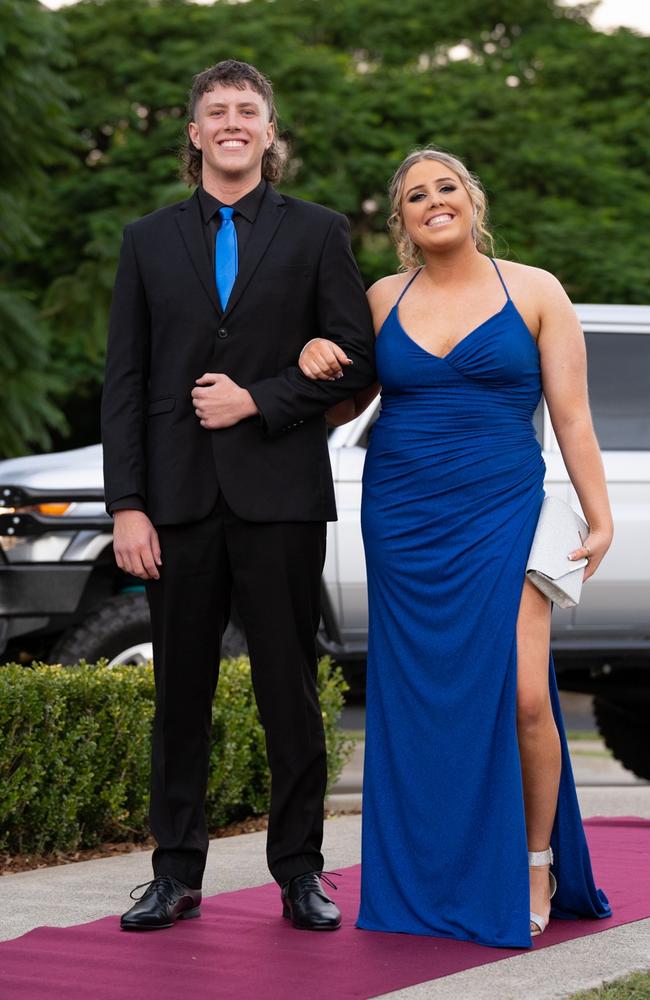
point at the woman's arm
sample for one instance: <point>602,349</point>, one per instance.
<point>342,312</point>
<point>349,409</point>
<point>324,360</point>
<point>564,379</point>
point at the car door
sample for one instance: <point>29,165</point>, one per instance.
<point>349,445</point>
<point>616,602</point>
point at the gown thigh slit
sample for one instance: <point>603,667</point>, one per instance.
<point>452,488</point>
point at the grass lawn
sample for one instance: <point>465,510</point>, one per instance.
<point>634,987</point>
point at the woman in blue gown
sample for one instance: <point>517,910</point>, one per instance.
<point>467,778</point>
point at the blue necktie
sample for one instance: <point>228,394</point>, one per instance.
<point>225,255</point>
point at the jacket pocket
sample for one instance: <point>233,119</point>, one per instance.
<point>162,405</point>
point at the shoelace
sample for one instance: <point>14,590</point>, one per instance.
<point>163,882</point>
<point>323,877</point>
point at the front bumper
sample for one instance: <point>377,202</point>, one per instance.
<point>43,589</point>
<point>32,594</point>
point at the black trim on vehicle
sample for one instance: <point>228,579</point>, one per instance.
<point>605,645</point>
<point>21,525</point>
<point>24,496</point>
<point>43,588</point>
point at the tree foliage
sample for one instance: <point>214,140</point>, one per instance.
<point>33,136</point>
<point>548,112</point>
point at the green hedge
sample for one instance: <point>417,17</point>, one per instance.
<point>75,745</point>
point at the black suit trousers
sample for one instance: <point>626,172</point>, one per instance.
<point>272,573</point>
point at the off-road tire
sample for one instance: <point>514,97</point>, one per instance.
<point>119,623</point>
<point>625,731</point>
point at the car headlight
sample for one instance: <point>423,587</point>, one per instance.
<point>41,548</point>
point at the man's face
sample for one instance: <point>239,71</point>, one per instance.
<point>232,130</point>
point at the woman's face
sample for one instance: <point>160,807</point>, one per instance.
<point>436,208</point>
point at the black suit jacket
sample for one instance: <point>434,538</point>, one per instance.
<point>297,280</point>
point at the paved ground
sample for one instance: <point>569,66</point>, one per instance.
<point>87,890</point>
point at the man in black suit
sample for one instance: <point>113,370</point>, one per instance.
<point>216,470</point>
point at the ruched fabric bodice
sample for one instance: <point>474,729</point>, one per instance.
<point>452,487</point>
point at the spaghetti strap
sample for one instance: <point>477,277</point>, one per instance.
<point>420,269</point>
<point>505,287</point>
<point>407,286</point>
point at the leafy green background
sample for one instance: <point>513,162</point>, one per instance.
<point>550,113</point>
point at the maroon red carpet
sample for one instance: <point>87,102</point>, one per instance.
<point>241,947</point>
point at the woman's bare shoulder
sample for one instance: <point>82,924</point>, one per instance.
<point>524,278</point>
<point>391,284</point>
<point>383,295</point>
<point>544,305</point>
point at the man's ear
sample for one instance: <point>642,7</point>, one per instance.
<point>193,133</point>
<point>270,134</point>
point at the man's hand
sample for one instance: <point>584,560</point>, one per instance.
<point>136,545</point>
<point>220,402</point>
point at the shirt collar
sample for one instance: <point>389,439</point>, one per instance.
<point>248,206</point>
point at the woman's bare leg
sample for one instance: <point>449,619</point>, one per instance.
<point>539,742</point>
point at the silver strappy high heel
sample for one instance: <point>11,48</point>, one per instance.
<point>537,859</point>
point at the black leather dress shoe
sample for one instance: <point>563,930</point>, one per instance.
<point>307,905</point>
<point>164,901</point>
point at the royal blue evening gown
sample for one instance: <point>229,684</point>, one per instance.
<point>452,487</point>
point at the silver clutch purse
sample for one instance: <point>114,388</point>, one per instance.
<point>559,531</point>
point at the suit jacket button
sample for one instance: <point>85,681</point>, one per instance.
<point>222,333</point>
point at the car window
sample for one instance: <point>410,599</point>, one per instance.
<point>619,389</point>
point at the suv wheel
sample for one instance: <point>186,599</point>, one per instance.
<point>120,631</point>
<point>625,731</point>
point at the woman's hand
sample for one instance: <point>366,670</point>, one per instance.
<point>594,548</point>
<point>322,359</point>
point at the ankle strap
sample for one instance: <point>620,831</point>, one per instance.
<point>538,858</point>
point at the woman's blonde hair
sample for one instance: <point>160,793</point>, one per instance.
<point>407,251</point>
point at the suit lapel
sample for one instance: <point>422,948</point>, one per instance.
<point>269,217</point>
<point>190,223</point>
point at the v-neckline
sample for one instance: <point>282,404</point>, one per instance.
<point>443,357</point>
